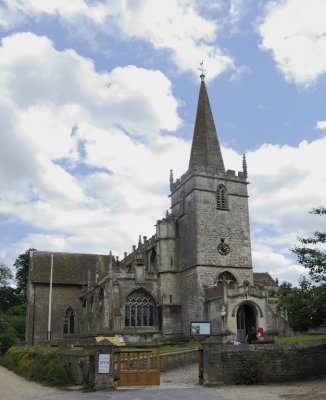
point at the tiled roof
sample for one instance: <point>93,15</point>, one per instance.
<point>263,278</point>
<point>68,268</point>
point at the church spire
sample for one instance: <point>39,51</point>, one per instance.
<point>205,149</point>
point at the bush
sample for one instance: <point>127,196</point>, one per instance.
<point>179,338</point>
<point>18,324</point>
<point>43,367</point>
<point>56,374</point>
<point>6,341</point>
<point>249,373</point>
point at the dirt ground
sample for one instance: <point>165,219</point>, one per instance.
<point>14,387</point>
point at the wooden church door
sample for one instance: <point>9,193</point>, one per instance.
<point>245,320</point>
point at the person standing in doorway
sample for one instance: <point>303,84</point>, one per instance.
<point>252,335</point>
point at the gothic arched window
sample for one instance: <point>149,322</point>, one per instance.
<point>140,309</point>
<point>69,321</point>
<point>153,261</point>
<point>221,197</point>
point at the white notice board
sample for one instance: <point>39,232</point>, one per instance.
<point>104,363</point>
<point>200,328</point>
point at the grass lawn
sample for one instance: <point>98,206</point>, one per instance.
<point>299,338</point>
<point>181,347</point>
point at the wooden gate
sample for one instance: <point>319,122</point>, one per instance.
<point>138,367</point>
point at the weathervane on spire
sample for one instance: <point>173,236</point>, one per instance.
<point>201,68</point>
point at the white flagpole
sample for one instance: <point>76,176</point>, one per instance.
<point>50,300</point>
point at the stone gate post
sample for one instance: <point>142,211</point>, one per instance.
<point>212,362</point>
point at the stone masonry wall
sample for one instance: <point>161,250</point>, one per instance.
<point>81,368</point>
<point>62,297</point>
<point>278,363</point>
<point>175,360</point>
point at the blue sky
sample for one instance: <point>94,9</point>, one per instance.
<point>98,101</point>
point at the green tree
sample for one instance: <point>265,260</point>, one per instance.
<point>12,309</point>
<point>306,305</point>
<point>313,258</point>
<point>9,297</point>
<point>5,275</point>
<point>16,317</point>
<point>22,266</point>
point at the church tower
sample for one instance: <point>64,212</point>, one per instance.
<point>211,208</point>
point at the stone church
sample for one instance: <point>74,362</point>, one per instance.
<point>197,267</point>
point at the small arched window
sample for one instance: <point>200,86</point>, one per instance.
<point>101,298</point>
<point>182,204</point>
<point>140,309</point>
<point>69,321</point>
<point>84,306</point>
<point>221,197</point>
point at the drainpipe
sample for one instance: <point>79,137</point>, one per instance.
<point>50,300</point>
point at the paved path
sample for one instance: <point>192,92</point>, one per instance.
<point>178,384</point>
<point>183,377</point>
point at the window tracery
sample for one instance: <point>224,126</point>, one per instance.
<point>69,321</point>
<point>140,309</point>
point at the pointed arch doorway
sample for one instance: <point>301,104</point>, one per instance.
<point>246,319</point>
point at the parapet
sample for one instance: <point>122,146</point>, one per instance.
<point>210,173</point>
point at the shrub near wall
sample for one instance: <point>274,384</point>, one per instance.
<point>43,367</point>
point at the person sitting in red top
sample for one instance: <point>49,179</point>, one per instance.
<point>260,333</point>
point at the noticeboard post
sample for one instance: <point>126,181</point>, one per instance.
<point>200,328</point>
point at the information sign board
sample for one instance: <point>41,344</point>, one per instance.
<point>104,363</point>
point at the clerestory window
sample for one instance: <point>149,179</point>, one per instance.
<point>182,204</point>
<point>140,309</point>
<point>69,321</point>
<point>153,261</point>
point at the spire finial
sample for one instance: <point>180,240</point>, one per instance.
<point>244,166</point>
<point>202,70</point>
<point>171,179</point>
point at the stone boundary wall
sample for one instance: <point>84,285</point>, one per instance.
<point>174,360</point>
<point>81,365</point>
<point>278,363</point>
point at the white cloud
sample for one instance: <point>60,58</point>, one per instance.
<point>278,265</point>
<point>285,186</point>
<point>170,25</point>
<point>294,31</point>
<point>16,10</point>
<point>80,151</point>
<point>293,173</point>
<point>321,125</point>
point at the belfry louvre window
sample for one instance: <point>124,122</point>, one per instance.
<point>69,321</point>
<point>139,309</point>
<point>221,197</point>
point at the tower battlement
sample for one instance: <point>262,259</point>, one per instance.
<point>208,172</point>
